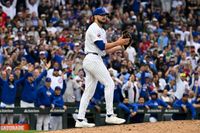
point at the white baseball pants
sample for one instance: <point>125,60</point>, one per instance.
<point>96,71</point>
<point>9,117</point>
<point>43,120</point>
<point>24,104</point>
<point>56,122</point>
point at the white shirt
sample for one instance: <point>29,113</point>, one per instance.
<point>131,92</point>
<point>184,34</point>
<point>52,30</point>
<point>131,53</point>
<point>162,83</point>
<point>195,44</point>
<point>94,33</point>
<point>181,88</point>
<point>55,81</point>
<point>176,3</point>
<point>33,8</point>
<point>10,11</point>
<point>70,93</point>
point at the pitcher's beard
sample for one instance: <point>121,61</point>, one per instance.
<point>100,22</point>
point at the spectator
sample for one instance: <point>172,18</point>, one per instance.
<point>9,8</point>
<point>8,94</point>
<point>58,102</point>
<point>130,110</point>
<point>166,97</point>
<point>28,97</point>
<point>44,100</point>
<point>155,103</point>
<point>185,106</point>
<point>131,90</point>
<point>196,102</point>
<point>32,5</point>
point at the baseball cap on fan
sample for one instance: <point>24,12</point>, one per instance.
<point>100,11</point>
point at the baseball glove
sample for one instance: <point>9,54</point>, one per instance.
<point>126,34</point>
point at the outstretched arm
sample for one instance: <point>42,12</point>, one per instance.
<point>27,3</point>
<point>14,3</point>
<point>64,87</point>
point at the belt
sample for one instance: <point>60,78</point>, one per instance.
<point>92,53</point>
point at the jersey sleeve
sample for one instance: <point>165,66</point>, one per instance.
<point>95,34</point>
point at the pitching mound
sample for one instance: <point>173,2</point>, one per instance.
<point>159,127</point>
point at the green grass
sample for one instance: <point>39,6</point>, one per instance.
<point>31,131</point>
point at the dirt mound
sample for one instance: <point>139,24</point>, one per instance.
<point>158,127</point>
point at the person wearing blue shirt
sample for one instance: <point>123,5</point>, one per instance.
<point>130,110</point>
<point>58,102</point>
<point>44,99</point>
<point>185,106</point>
<point>28,96</point>
<point>155,103</point>
<point>196,101</point>
<point>9,89</point>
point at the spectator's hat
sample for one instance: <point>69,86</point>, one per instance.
<point>48,79</point>
<point>8,68</point>
<point>30,34</point>
<point>30,75</point>
<point>146,22</point>
<point>23,59</point>
<point>153,93</point>
<point>17,67</point>
<point>43,32</point>
<point>154,19</point>
<point>42,52</point>
<point>182,74</point>
<point>65,66</point>
<point>56,69</point>
<point>161,56</point>
<point>43,15</point>
<point>100,11</point>
<point>58,88</point>
<point>185,95</point>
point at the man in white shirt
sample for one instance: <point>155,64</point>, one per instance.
<point>32,5</point>
<point>131,53</point>
<point>10,8</point>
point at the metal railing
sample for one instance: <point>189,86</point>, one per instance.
<point>96,116</point>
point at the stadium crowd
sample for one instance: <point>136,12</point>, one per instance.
<point>42,44</point>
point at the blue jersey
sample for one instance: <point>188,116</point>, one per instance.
<point>44,96</point>
<point>178,104</point>
<point>156,103</point>
<point>29,89</point>
<point>9,90</point>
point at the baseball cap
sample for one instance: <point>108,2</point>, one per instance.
<point>42,52</point>
<point>185,95</point>
<point>57,88</point>
<point>23,58</point>
<point>182,74</point>
<point>56,69</point>
<point>100,11</point>
<point>153,93</point>
<point>30,75</point>
<point>48,79</point>
<point>8,68</point>
<point>17,67</point>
